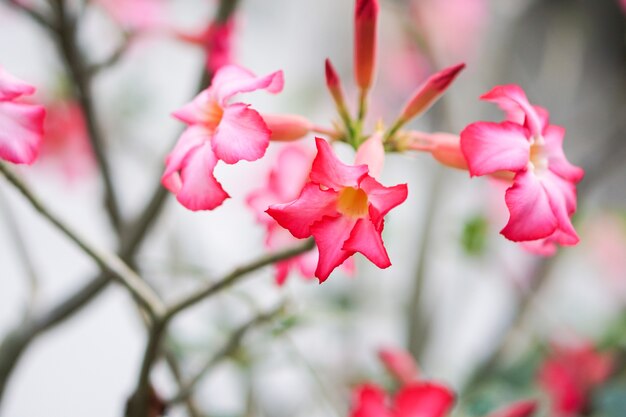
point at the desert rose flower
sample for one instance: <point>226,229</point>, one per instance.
<point>21,124</point>
<point>543,196</point>
<point>418,399</point>
<point>218,130</point>
<point>216,40</point>
<point>343,208</point>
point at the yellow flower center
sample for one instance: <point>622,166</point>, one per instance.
<point>213,114</point>
<point>538,156</point>
<point>352,202</point>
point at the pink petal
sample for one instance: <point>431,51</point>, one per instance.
<point>423,400</point>
<point>400,364</point>
<point>531,213</point>
<point>557,162</point>
<point>199,189</point>
<point>330,172</point>
<point>12,87</point>
<point>510,96</point>
<point>291,172</point>
<point>562,197</point>
<point>491,147</point>
<point>197,111</point>
<point>282,271</point>
<point>369,402</point>
<point>232,79</point>
<point>382,198</point>
<point>298,216</point>
<point>21,131</point>
<point>241,135</point>
<point>524,408</point>
<point>366,239</point>
<point>541,247</point>
<point>191,138</point>
<point>372,153</point>
<point>330,235</point>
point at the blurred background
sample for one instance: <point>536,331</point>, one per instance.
<point>477,312</point>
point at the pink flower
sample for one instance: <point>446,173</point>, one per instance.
<point>400,364</point>
<point>343,208</point>
<point>218,130</point>
<point>135,14</point>
<point>525,408</point>
<point>66,140</point>
<point>570,374</point>
<point>216,40</point>
<point>418,399</point>
<point>21,124</point>
<point>543,196</point>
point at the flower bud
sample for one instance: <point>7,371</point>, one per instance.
<point>334,84</point>
<point>365,22</point>
<point>400,364</point>
<point>444,147</point>
<point>287,127</point>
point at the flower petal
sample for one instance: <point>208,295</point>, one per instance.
<point>531,213</point>
<point>490,147</point>
<point>330,235</point>
<point>562,197</point>
<point>372,153</point>
<point>241,135</point>
<point>12,87</point>
<point>383,198</point>
<point>298,215</point>
<point>291,172</point>
<point>369,402</point>
<point>330,172</point>
<point>21,131</point>
<point>366,239</point>
<point>196,111</point>
<point>557,161</point>
<point>232,79</point>
<point>423,400</point>
<point>191,138</point>
<point>508,97</point>
<point>199,189</point>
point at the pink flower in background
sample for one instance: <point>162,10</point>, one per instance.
<point>543,196</point>
<point>218,130</point>
<point>400,364</point>
<point>569,375</point>
<point>135,14</point>
<point>343,208</point>
<point>216,39</point>
<point>21,124</point>
<point>622,3</point>
<point>66,141</point>
<point>418,399</point>
<point>525,408</point>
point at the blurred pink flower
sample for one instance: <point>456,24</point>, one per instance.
<point>135,14</point>
<point>343,208</point>
<point>21,124</point>
<point>66,140</point>
<point>217,40</point>
<point>569,375</point>
<point>400,364</point>
<point>217,130</point>
<point>525,408</point>
<point>418,399</point>
<point>543,196</point>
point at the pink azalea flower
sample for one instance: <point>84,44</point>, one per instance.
<point>400,364</point>
<point>569,375</point>
<point>66,140</point>
<point>218,130</point>
<point>543,196</point>
<point>343,208</point>
<point>418,399</point>
<point>21,124</point>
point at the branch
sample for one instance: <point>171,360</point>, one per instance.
<point>227,350</point>
<point>44,21</point>
<point>108,262</point>
<point>114,58</point>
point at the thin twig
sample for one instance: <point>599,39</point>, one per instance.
<point>107,261</point>
<point>233,343</point>
<point>44,21</point>
<point>112,59</point>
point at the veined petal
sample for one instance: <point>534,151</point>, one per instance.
<point>12,87</point>
<point>241,134</point>
<point>509,96</point>
<point>383,198</point>
<point>372,153</point>
<point>557,162</point>
<point>491,147</point>
<point>197,111</point>
<point>423,400</point>
<point>330,234</point>
<point>21,130</point>
<point>531,215</point>
<point>199,189</point>
<point>366,239</point>
<point>232,79</point>
<point>330,172</point>
<point>562,197</point>
<point>370,402</point>
<point>298,215</point>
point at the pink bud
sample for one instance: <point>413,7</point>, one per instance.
<point>430,91</point>
<point>287,127</point>
<point>365,21</point>
<point>444,147</point>
<point>400,364</point>
<point>334,83</point>
<point>525,408</point>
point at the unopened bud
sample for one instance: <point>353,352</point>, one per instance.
<point>365,24</point>
<point>287,127</point>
